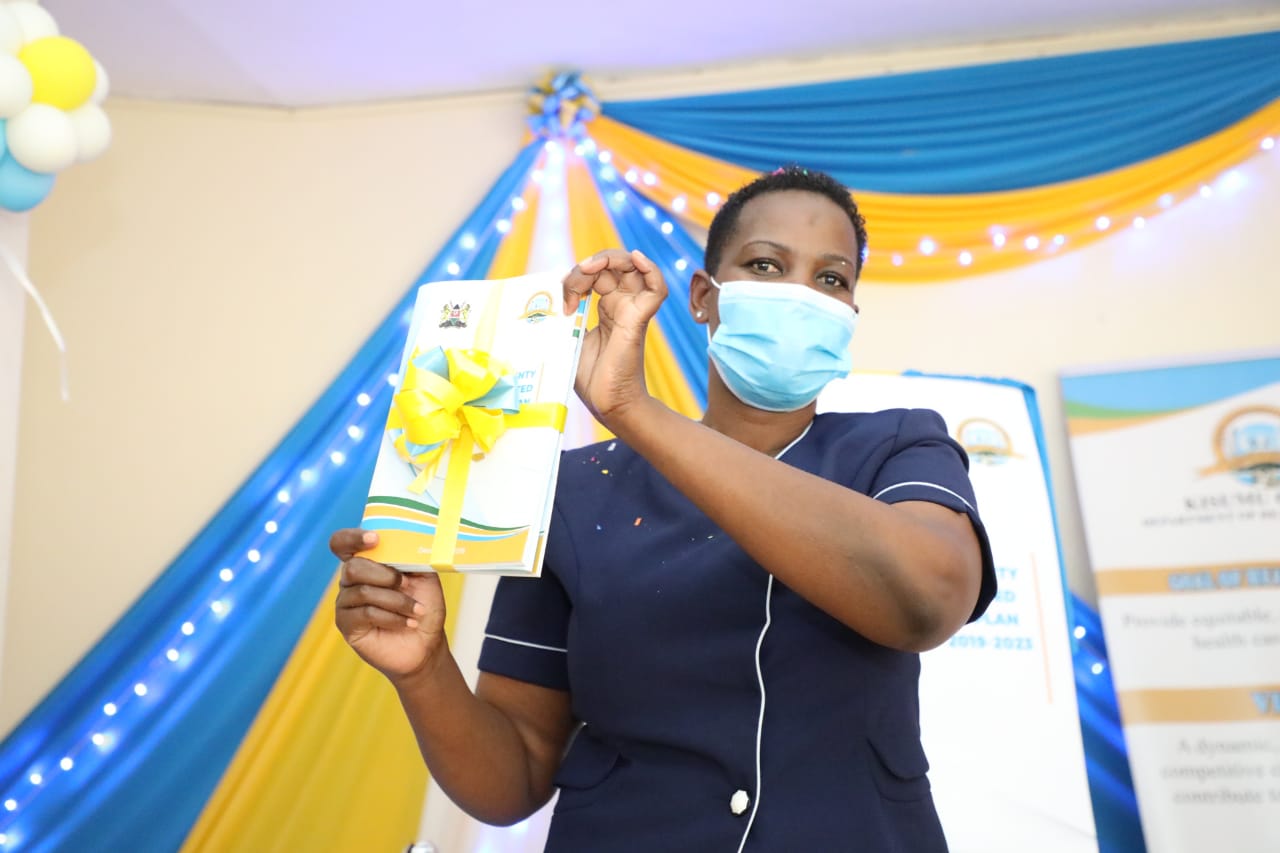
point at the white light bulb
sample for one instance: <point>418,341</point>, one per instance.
<point>172,655</point>
<point>66,763</point>
<point>11,804</point>
<point>1103,223</point>
<point>188,629</point>
<point>140,689</point>
<point>453,268</point>
<point>1267,144</point>
<point>608,174</point>
<point>253,556</point>
<point>1032,243</point>
<point>1139,222</point>
<point>536,175</point>
<point>579,149</point>
<point>219,608</point>
<point>468,241</point>
<point>99,739</point>
<point>307,476</point>
<point>270,527</point>
<point>503,226</point>
<point>682,264</point>
<point>650,212</point>
<point>605,156</point>
<point>518,203</point>
<point>1059,239</point>
<point>36,778</point>
<point>667,228</point>
<point>631,176</point>
<point>355,433</point>
<point>1096,669</point>
<point>393,379</point>
<point>1079,632</point>
<point>619,196</point>
<point>928,246</point>
<point>283,496</point>
<point>997,239</point>
<point>966,258</point>
<point>1166,201</point>
<point>678,203</point>
<point>713,199</point>
<point>896,259</point>
<point>337,457</point>
<point>363,399</point>
<point>226,575</point>
<point>650,179</point>
<point>110,709</point>
<point>1205,191</point>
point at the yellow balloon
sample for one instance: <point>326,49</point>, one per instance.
<point>62,72</point>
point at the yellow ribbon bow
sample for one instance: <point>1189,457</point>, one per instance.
<point>453,400</point>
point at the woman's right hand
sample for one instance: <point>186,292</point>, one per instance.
<point>394,621</point>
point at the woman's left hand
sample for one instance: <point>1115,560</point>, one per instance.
<point>611,371</point>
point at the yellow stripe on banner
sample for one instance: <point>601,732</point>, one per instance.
<point>1201,705</point>
<point>1220,577</point>
<point>1079,212</point>
<point>592,230</point>
<point>330,762</point>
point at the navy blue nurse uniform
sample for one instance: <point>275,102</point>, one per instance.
<point>721,711</point>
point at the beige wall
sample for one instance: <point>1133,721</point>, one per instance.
<point>216,269</point>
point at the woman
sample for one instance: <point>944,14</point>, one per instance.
<point>731,610</point>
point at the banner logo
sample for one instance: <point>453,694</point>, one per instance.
<point>538,308</point>
<point>1246,444</point>
<point>454,316</point>
<point>986,442</point>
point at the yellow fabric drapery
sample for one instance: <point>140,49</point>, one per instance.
<point>330,763</point>
<point>1078,212</point>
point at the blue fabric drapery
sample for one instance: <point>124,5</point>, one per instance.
<point>982,128</point>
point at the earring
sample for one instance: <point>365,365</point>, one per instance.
<point>698,315</point>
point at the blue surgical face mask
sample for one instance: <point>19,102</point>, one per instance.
<point>779,344</point>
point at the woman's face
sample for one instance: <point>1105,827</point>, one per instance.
<point>793,236</point>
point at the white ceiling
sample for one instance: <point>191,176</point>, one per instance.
<point>310,52</point>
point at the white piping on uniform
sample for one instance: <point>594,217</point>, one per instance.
<point>755,798</point>
<point>523,643</point>
<point>768,619</point>
<point>877,495</point>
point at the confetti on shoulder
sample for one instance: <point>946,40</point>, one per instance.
<point>604,470</point>
<point>611,446</point>
<point>639,518</point>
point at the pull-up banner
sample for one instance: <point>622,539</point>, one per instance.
<point>1178,473</point>
<point>999,717</point>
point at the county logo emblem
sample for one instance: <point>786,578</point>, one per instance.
<point>1246,444</point>
<point>986,442</point>
<point>538,308</point>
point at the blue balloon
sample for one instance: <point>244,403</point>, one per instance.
<point>20,188</point>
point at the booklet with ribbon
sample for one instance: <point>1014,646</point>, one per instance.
<point>466,472</point>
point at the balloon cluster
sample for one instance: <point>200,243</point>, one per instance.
<point>561,105</point>
<point>51,91</point>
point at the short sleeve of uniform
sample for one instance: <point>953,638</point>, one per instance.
<point>926,464</point>
<point>527,634</point>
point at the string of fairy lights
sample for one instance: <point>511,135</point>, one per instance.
<point>213,605</point>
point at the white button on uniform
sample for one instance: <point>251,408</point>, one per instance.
<point>739,801</point>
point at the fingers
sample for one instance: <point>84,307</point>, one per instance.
<point>345,544</point>
<point>372,595</point>
<point>610,270</point>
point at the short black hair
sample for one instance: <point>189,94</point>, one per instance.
<point>790,177</point>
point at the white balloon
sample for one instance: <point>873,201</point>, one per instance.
<point>42,138</point>
<point>93,131</point>
<point>103,85</point>
<point>10,31</point>
<point>34,22</point>
<point>15,86</point>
